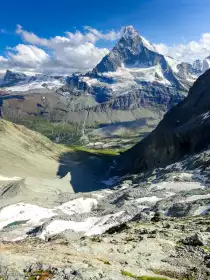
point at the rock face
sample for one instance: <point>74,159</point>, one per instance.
<point>184,130</point>
<point>132,51</point>
<point>199,66</point>
<point>12,78</point>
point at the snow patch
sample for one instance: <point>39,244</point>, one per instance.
<point>3,178</point>
<point>152,199</point>
<point>202,210</point>
<point>178,186</point>
<point>78,206</point>
<point>196,197</point>
<point>24,212</point>
<point>91,226</point>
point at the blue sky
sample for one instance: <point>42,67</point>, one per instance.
<point>160,21</point>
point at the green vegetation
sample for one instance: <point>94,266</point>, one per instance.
<point>69,134</point>
<point>63,133</point>
<point>206,249</point>
<point>16,223</point>
<point>126,273</point>
<point>96,151</point>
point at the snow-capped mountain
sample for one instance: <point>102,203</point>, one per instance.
<point>134,65</point>
<point>132,82</point>
<point>20,82</point>
<point>132,51</point>
<point>199,66</point>
<point>134,56</point>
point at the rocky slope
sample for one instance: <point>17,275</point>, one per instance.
<point>149,226</point>
<point>184,130</point>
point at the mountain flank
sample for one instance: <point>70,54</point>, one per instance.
<point>184,130</point>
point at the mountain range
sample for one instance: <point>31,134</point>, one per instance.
<point>132,83</point>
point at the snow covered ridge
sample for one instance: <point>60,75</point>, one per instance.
<point>134,65</point>
<point>15,81</point>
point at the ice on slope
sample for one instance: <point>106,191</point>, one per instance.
<point>78,206</point>
<point>196,197</point>
<point>173,63</point>
<point>178,186</point>
<point>206,64</point>
<point>34,214</point>
<point>24,212</point>
<point>148,45</point>
<point>3,178</point>
<point>151,199</point>
<point>202,210</point>
<point>35,85</point>
<point>125,79</point>
<point>91,226</point>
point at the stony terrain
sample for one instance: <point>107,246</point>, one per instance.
<point>162,249</point>
<point>153,224</point>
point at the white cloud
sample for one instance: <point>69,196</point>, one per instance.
<point>27,55</point>
<point>3,59</point>
<point>30,37</point>
<point>111,35</point>
<point>188,52</point>
<point>60,54</point>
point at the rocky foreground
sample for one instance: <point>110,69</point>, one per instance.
<point>148,226</point>
<point>161,248</point>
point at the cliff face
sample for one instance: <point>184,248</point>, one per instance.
<point>183,130</point>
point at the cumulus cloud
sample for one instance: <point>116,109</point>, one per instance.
<point>60,54</point>
<point>3,59</point>
<point>30,37</point>
<point>27,55</point>
<point>188,52</point>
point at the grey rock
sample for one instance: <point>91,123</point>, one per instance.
<point>194,240</point>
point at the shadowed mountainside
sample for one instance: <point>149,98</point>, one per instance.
<point>184,130</point>
<point>87,170</point>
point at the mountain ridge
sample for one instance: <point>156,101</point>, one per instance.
<point>183,131</point>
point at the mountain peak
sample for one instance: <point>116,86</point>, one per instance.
<point>129,32</point>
